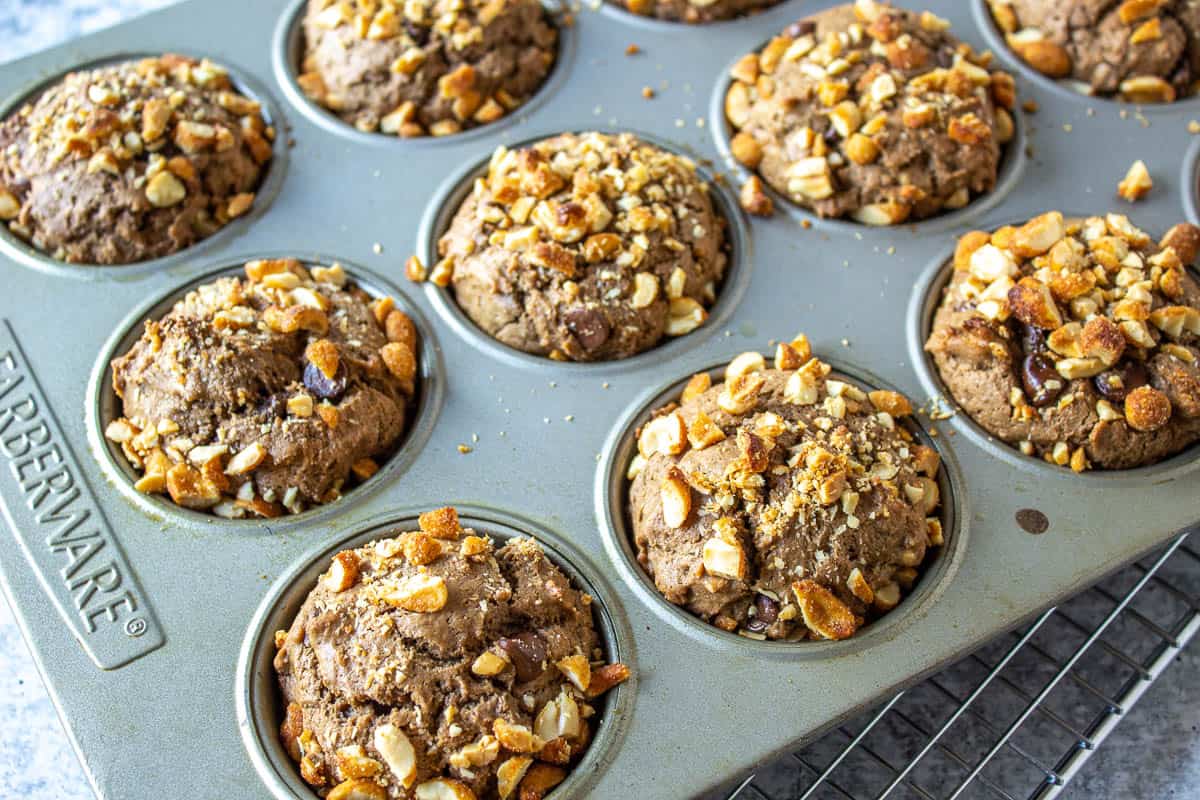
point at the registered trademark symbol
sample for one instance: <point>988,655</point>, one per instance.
<point>135,626</point>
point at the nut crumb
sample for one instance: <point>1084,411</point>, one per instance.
<point>1136,184</point>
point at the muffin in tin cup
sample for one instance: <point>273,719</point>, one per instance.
<point>1139,51</point>
<point>785,502</point>
<point>1075,339</point>
<point>436,664</point>
<point>268,394</point>
<point>869,112</point>
<point>413,69</point>
<point>585,247</point>
<point>131,161</point>
<point>693,11</point>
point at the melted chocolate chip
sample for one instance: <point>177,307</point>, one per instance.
<point>801,28</point>
<point>1041,380</point>
<point>418,33</point>
<point>766,611</point>
<point>589,326</point>
<point>527,653</point>
<point>324,387</point>
<point>1116,384</point>
<point>1033,338</point>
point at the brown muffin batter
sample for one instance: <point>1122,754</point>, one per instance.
<point>1075,339</point>
<point>782,503</point>
<point>267,395</point>
<point>132,161</point>
<point>870,112</point>
<point>417,68</point>
<point>586,247</point>
<point>1143,51</point>
<point>694,11</point>
<point>436,666</point>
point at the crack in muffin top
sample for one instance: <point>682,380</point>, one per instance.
<point>1075,339</point>
<point>132,161</point>
<point>265,395</point>
<point>436,665</point>
<point>1141,51</point>
<point>869,112</point>
<point>783,503</point>
<point>585,247</point>
<point>416,68</point>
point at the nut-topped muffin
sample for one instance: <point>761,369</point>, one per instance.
<point>585,247</point>
<point>131,161</point>
<point>869,112</point>
<point>1142,51</point>
<point>693,11</point>
<point>783,503</point>
<point>266,395</point>
<point>435,665</point>
<point>1075,340</point>
<point>425,68</point>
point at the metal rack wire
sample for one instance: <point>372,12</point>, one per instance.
<point>1019,717</point>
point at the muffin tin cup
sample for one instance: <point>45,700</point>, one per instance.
<point>1062,88</point>
<point>26,254</point>
<point>104,406</point>
<point>455,189</point>
<point>259,704</point>
<point>533,435</point>
<point>616,528</point>
<point>1013,161</point>
<point>923,305</point>
<point>287,48</point>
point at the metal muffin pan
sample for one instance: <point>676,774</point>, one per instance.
<point>147,616</point>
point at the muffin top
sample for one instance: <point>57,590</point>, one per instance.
<point>783,503</point>
<point>1075,339</point>
<point>586,247</point>
<point>693,11</point>
<point>131,161</point>
<point>1143,51</point>
<point>870,112</point>
<point>420,68</point>
<point>437,662</point>
<point>265,395</point>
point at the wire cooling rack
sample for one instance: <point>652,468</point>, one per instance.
<point>1019,717</point>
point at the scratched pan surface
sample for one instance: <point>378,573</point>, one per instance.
<point>147,623</point>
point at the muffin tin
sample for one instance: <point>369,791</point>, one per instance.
<point>149,623</point>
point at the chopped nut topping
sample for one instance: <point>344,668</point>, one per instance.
<point>1136,183</point>
<point>343,572</point>
<point>422,594</point>
<point>863,80</point>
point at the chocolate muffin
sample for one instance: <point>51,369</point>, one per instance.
<point>1075,340</point>
<point>267,395</point>
<point>783,503</point>
<point>416,68</point>
<point>870,112</point>
<point>438,666</point>
<point>693,11</point>
<point>132,161</point>
<point>1143,51</point>
<point>586,247</point>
